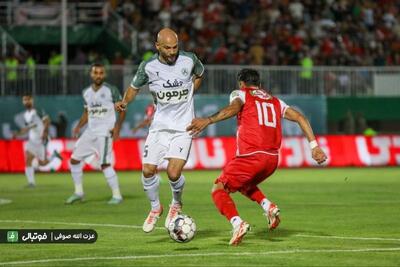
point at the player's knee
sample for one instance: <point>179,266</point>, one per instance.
<point>74,161</point>
<point>173,174</point>
<point>149,171</point>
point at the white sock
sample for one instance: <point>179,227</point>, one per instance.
<point>265,204</point>
<point>30,174</point>
<point>236,221</point>
<point>151,186</point>
<point>112,180</point>
<point>177,189</point>
<point>76,173</point>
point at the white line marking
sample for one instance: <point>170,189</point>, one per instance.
<point>4,201</point>
<point>78,224</point>
<point>132,257</point>
<point>349,237</point>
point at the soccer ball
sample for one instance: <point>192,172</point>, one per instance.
<point>182,228</point>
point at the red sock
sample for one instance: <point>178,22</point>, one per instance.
<point>254,194</point>
<point>224,204</point>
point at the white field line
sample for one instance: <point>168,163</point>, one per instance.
<point>233,254</point>
<point>4,201</point>
<point>349,237</point>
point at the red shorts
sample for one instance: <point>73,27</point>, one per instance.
<point>242,173</point>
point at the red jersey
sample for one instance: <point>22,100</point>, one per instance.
<point>259,122</point>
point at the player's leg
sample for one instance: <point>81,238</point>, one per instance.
<point>151,184</point>
<point>29,170</point>
<point>177,155</point>
<point>76,169</point>
<point>83,148</point>
<point>177,183</point>
<point>112,181</point>
<point>268,163</point>
<point>238,172</point>
<point>227,208</point>
<point>105,153</point>
<point>271,210</point>
<point>153,153</point>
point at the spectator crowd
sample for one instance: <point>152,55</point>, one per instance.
<point>272,32</point>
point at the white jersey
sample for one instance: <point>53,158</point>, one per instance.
<point>172,89</point>
<point>100,107</point>
<point>35,123</point>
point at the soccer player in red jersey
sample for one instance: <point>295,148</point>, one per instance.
<point>259,137</point>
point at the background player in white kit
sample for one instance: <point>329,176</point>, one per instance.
<point>38,128</point>
<point>103,127</point>
<point>172,76</point>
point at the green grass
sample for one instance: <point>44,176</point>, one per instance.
<point>319,208</point>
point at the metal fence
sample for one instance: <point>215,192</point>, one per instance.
<point>217,79</point>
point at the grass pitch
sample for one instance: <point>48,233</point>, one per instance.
<point>330,217</point>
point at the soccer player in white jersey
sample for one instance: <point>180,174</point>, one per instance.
<point>38,128</point>
<point>172,76</point>
<point>103,127</point>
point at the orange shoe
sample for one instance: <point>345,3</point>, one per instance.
<point>238,233</point>
<point>151,220</point>
<point>174,210</point>
<point>273,216</point>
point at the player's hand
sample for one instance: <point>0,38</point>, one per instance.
<point>115,133</point>
<point>76,131</point>
<point>198,125</point>
<point>14,135</point>
<point>120,106</point>
<point>318,155</point>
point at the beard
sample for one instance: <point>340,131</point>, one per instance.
<point>98,82</point>
<point>170,59</point>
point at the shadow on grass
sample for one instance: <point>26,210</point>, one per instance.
<point>279,234</point>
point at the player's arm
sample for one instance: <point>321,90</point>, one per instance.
<point>293,115</point>
<point>141,78</point>
<point>129,95</point>
<point>198,72</point>
<point>46,125</point>
<point>198,124</point>
<point>143,123</point>
<point>197,82</point>
<point>82,122</point>
<point>118,124</point>
<point>23,131</point>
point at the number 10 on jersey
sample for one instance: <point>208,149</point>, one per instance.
<point>262,113</point>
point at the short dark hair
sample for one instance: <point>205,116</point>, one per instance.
<point>249,77</point>
<point>96,65</point>
<point>28,94</point>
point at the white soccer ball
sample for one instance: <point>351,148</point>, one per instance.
<point>182,228</point>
